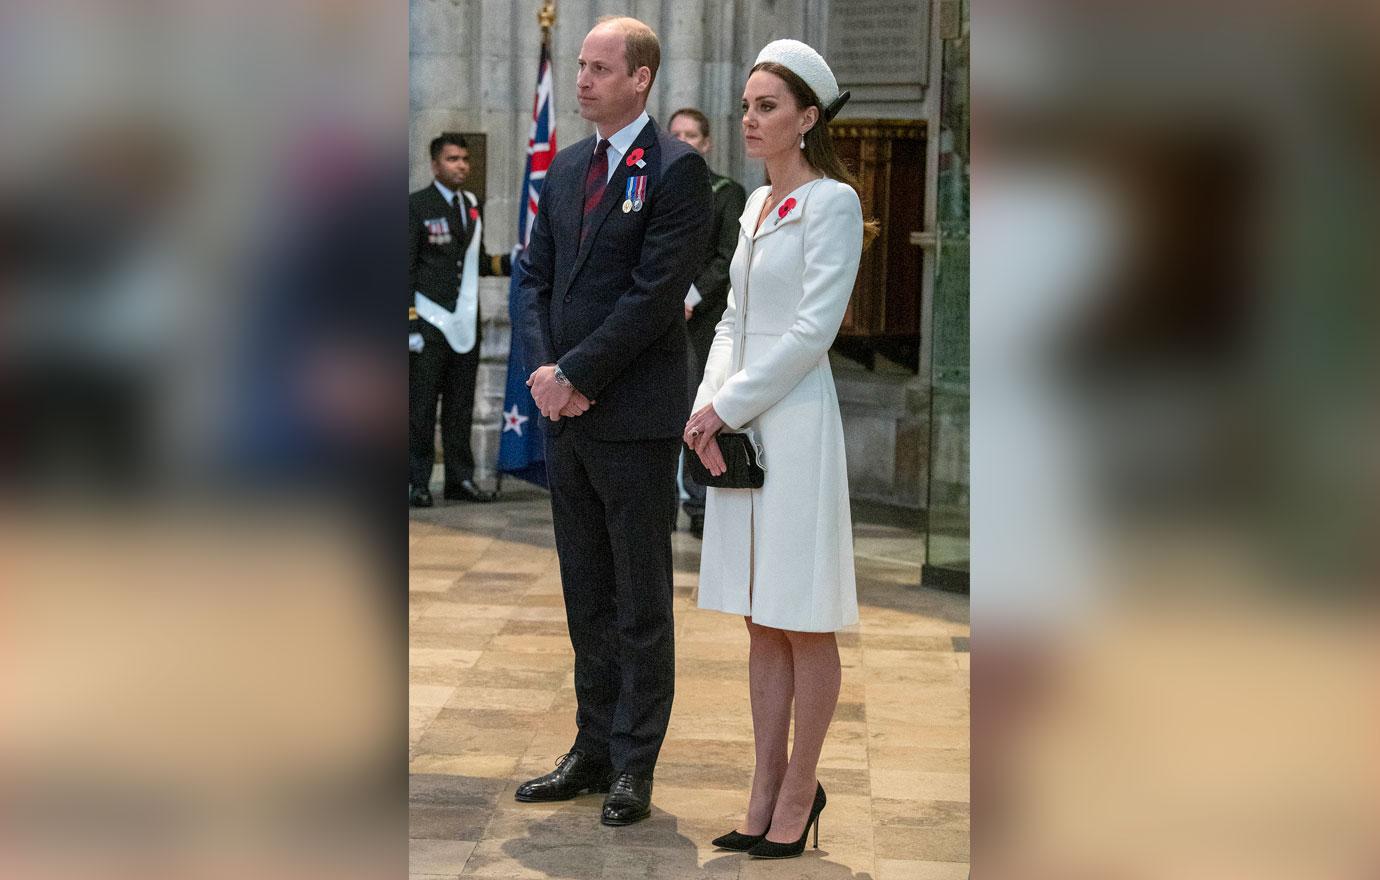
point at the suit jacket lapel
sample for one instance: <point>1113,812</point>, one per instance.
<point>613,193</point>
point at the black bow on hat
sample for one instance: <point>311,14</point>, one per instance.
<point>835,106</point>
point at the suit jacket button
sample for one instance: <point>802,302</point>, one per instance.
<point>567,297</point>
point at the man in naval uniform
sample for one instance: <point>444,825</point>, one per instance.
<point>446,257</point>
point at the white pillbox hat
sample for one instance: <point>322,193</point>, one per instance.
<point>805,63</point>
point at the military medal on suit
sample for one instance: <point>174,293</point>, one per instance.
<point>634,193</point>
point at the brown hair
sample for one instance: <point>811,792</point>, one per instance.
<point>640,45</point>
<point>819,146</point>
<point>700,119</point>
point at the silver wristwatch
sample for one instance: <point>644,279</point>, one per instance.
<point>561,379</point>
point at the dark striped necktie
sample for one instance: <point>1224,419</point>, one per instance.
<point>596,180</point>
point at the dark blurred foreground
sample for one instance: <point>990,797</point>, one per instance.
<point>1175,440</point>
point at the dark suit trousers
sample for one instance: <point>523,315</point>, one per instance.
<point>610,503</point>
<point>438,372</point>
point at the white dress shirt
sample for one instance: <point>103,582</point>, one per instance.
<point>622,140</point>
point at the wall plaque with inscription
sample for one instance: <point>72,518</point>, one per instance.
<point>879,41</point>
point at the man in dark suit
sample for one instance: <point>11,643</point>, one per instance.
<point>445,259</point>
<point>708,296</point>
<point>615,245</point>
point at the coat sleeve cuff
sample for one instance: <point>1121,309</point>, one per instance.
<point>730,411</point>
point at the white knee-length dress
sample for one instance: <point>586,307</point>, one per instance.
<point>783,554</point>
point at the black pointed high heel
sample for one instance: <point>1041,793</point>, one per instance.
<point>737,841</point>
<point>770,849</point>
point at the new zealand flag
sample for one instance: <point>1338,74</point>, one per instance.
<point>520,450</point>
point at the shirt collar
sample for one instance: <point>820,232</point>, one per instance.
<point>622,140</point>
<point>447,194</point>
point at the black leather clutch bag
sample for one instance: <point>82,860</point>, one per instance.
<point>741,458</point>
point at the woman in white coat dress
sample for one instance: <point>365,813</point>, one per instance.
<point>782,555</point>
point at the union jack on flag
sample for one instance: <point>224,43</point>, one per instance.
<point>541,147</point>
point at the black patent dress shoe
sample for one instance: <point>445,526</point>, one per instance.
<point>575,774</point>
<point>468,491</point>
<point>629,800</point>
<point>418,497</point>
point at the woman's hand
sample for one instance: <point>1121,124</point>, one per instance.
<point>713,458</point>
<point>699,435</point>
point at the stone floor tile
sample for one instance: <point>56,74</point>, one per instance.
<point>920,758</point>
<point>493,698</point>
<point>944,674</point>
<point>667,863</point>
<point>825,863</point>
<point>433,857</point>
<point>479,765</point>
<point>689,750</point>
<point>463,712</point>
<point>920,814</point>
<point>535,856</point>
<point>423,583</point>
<point>466,739</point>
<point>448,823</point>
<point>925,844</point>
<point>537,679</point>
<point>495,658</point>
<point>903,869</point>
<point>441,658</point>
<point>900,734</point>
<point>467,641</point>
<point>558,645</point>
<point>879,658</point>
<point>428,695</point>
<point>914,785</point>
<point>419,718</point>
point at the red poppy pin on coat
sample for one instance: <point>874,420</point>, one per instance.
<point>785,208</point>
<point>474,213</point>
<point>635,158</point>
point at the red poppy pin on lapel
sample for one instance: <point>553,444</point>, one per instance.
<point>785,208</point>
<point>635,158</point>
<point>474,213</point>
